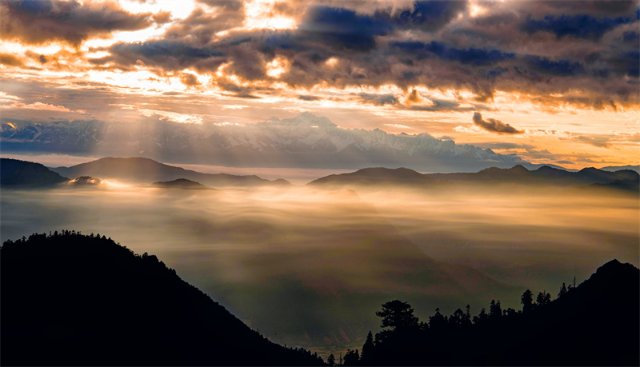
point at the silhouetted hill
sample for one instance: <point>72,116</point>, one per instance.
<point>70,299</point>
<point>147,171</point>
<point>596,323</point>
<point>635,168</point>
<point>544,175</point>
<point>181,183</point>
<point>16,173</point>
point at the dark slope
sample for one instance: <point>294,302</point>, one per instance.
<point>596,323</point>
<point>15,173</point>
<point>544,175</point>
<point>71,299</point>
<point>147,171</point>
<point>180,183</point>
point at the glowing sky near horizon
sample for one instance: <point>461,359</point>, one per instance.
<point>564,78</point>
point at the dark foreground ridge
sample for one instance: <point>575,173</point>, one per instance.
<point>71,299</point>
<point>595,323</point>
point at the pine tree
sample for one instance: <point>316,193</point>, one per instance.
<point>397,315</point>
<point>527,301</point>
<point>563,290</point>
<point>366,357</point>
<point>331,360</point>
<point>351,358</point>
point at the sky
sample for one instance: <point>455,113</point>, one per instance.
<point>551,82</point>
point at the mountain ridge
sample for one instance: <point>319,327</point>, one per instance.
<point>18,173</point>
<point>72,299</point>
<point>518,174</point>
<point>147,170</point>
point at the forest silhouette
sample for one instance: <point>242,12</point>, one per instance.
<point>595,323</point>
<point>73,299</point>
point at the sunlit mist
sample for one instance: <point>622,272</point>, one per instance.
<point>279,258</point>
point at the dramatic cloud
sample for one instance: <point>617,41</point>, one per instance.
<point>189,79</point>
<point>39,21</point>
<point>550,65</point>
<point>304,141</point>
<point>8,59</point>
<point>344,47</point>
<point>204,22</point>
<point>580,26</point>
<point>493,125</point>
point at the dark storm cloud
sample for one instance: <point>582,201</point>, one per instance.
<point>343,28</point>
<point>39,21</point>
<point>598,8</point>
<point>493,125</point>
<point>470,56</point>
<point>346,28</point>
<point>427,15</point>
<point>548,66</point>
<point>580,26</point>
<point>168,54</point>
<point>631,36</point>
<point>587,53</point>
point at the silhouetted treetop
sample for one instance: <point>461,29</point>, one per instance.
<point>397,315</point>
<point>595,323</point>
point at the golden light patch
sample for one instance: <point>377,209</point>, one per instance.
<point>476,10</point>
<point>276,67</point>
<point>261,14</point>
<point>332,62</point>
<point>178,9</point>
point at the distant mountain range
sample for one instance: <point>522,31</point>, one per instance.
<point>146,170</point>
<point>545,175</point>
<point>15,173</point>
<point>70,299</point>
<point>619,168</point>
<point>304,141</point>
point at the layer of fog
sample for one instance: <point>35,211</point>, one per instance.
<point>310,267</point>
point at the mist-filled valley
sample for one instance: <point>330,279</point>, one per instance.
<point>309,266</point>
